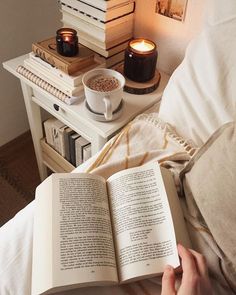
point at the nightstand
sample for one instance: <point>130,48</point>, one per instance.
<point>74,116</point>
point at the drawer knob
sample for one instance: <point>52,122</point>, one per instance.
<point>56,107</point>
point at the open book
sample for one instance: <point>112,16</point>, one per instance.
<point>92,231</point>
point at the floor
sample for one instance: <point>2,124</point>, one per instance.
<point>19,176</point>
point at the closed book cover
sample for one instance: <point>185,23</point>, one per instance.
<point>46,50</point>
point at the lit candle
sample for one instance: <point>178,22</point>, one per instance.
<point>140,60</point>
<point>142,46</point>
<point>67,42</point>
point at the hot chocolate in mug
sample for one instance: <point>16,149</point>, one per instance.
<point>103,90</point>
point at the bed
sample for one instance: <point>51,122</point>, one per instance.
<point>193,134</point>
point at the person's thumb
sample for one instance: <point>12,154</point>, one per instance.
<point>168,281</point>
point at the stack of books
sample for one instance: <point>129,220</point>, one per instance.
<point>69,144</point>
<point>59,75</point>
<point>105,26</point>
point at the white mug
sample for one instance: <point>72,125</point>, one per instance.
<point>103,102</point>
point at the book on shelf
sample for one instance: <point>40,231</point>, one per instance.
<point>54,131</point>
<point>91,231</point>
<point>95,21</point>
<point>46,50</point>
<point>72,139</point>
<point>53,72</point>
<point>87,152</point>
<point>67,134</point>
<point>80,144</point>
<point>103,15</point>
<point>76,91</point>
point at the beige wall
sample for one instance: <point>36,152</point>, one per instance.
<point>22,22</point>
<point>171,36</point>
<point>25,21</point>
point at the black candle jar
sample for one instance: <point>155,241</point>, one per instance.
<point>67,42</point>
<point>140,60</point>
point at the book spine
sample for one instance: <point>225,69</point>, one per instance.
<point>67,134</point>
<point>61,134</point>
<point>48,132</point>
<point>51,70</point>
<point>87,152</point>
<point>80,143</point>
<point>45,85</point>
<point>61,85</point>
<point>50,59</point>
<point>72,139</point>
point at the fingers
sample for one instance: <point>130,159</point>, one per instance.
<point>195,273</point>
<point>188,262</point>
<point>190,277</point>
<point>168,281</point>
<point>200,262</point>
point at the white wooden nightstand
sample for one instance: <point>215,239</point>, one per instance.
<point>75,116</point>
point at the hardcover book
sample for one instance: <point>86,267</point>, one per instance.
<point>53,72</point>
<point>92,231</point>
<point>80,143</point>
<point>103,15</point>
<point>96,22</point>
<point>62,85</point>
<point>102,34</point>
<point>46,50</point>
<point>107,46</point>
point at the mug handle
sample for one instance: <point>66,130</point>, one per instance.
<point>108,112</point>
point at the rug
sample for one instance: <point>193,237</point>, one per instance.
<point>19,176</point>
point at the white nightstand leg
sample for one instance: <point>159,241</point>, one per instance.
<point>35,122</point>
<point>97,143</point>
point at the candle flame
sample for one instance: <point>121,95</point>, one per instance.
<point>142,46</point>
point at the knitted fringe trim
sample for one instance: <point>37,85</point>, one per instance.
<point>169,131</point>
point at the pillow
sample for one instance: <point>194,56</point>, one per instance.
<point>209,187</point>
<point>201,94</point>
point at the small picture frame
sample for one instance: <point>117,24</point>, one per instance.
<point>174,9</point>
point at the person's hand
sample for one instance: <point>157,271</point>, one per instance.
<point>195,279</point>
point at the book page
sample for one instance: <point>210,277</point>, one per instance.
<point>83,249</point>
<point>142,222</point>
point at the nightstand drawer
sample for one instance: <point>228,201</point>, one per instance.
<point>62,111</point>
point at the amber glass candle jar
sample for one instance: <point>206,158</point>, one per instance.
<point>67,42</point>
<point>140,60</point>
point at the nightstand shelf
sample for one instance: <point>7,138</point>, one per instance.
<point>75,116</point>
<point>53,160</point>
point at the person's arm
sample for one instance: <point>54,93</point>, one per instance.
<point>195,279</point>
